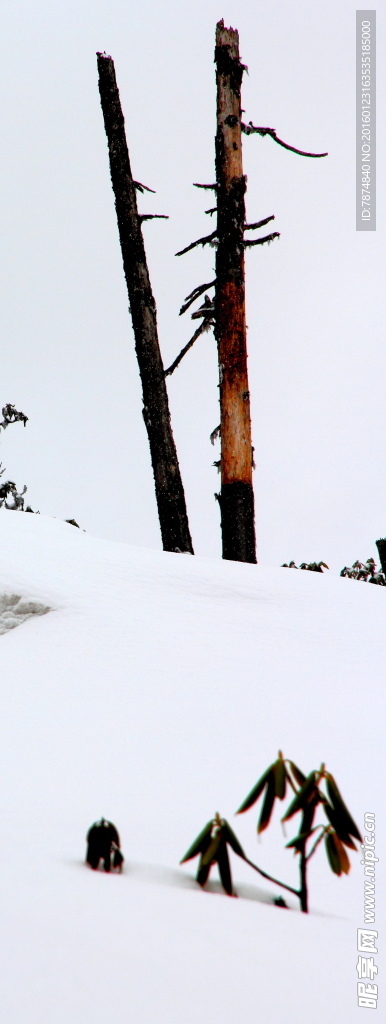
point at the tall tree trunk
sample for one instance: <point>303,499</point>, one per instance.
<point>236,499</point>
<point>168,484</point>
<point>381,545</point>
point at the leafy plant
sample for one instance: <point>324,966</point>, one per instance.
<point>339,832</point>
<point>366,571</point>
<point>9,489</point>
<point>312,566</point>
<point>212,844</point>
<point>308,796</point>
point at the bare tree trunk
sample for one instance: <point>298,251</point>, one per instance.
<point>168,484</point>
<point>381,545</point>
<point>236,499</point>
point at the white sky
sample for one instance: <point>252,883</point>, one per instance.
<point>314,298</point>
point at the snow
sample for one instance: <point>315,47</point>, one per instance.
<point>154,691</point>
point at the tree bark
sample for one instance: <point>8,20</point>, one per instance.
<point>168,484</point>
<point>236,499</point>
<point>381,545</point>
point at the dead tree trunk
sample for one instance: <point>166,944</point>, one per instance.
<point>381,545</point>
<point>168,484</point>
<point>236,499</point>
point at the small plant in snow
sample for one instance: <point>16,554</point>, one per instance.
<point>366,571</point>
<point>338,830</point>
<point>9,489</point>
<point>212,845</point>
<point>312,566</point>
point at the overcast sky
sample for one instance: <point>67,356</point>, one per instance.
<point>315,297</point>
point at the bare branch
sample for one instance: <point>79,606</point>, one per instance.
<point>195,294</point>
<point>206,324</point>
<point>259,223</point>
<point>196,185</point>
<point>213,209</point>
<point>206,310</point>
<point>153,216</point>
<point>143,188</point>
<point>205,240</point>
<point>261,241</point>
<point>250,129</point>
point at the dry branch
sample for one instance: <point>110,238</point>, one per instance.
<point>261,241</point>
<point>206,310</point>
<point>196,185</point>
<point>206,324</point>
<point>195,294</point>
<point>259,223</point>
<point>142,188</point>
<point>250,129</point>
<point>205,240</point>
<point>153,216</point>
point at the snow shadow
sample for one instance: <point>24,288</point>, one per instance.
<point>158,875</point>
<point>14,610</point>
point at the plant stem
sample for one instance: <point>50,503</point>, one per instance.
<point>303,892</point>
<point>296,892</point>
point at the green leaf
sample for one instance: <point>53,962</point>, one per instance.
<point>344,861</point>
<point>332,853</point>
<point>340,807</point>
<point>256,791</point>
<point>302,797</point>
<point>209,856</point>
<point>266,810</point>
<point>339,825</point>
<point>280,778</point>
<point>297,774</point>
<point>224,868</point>
<point>200,844</point>
<point>203,872</point>
<point>309,814</point>
<point>230,838</point>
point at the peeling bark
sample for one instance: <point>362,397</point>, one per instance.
<point>168,484</point>
<point>236,499</point>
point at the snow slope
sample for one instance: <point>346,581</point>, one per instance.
<point>155,691</point>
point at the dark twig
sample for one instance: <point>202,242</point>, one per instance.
<point>195,294</point>
<point>153,216</point>
<point>206,324</point>
<point>260,241</point>
<point>259,223</point>
<point>250,129</point>
<point>206,310</point>
<point>143,188</point>
<point>196,185</point>
<point>205,240</point>
<point>275,880</point>
<point>213,209</point>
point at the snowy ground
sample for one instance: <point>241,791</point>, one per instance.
<point>155,691</point>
